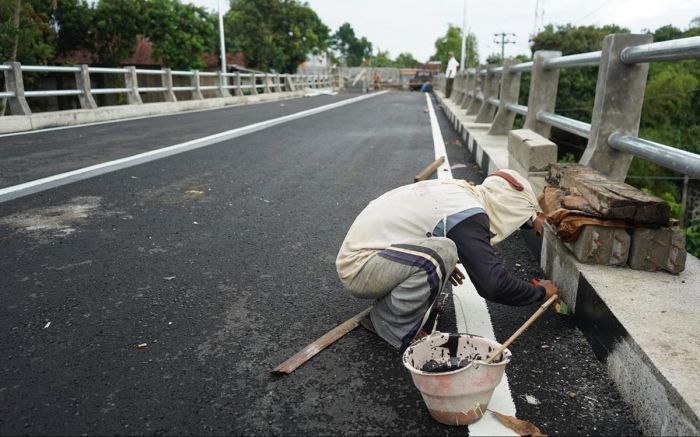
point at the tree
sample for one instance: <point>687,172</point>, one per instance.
<point>352,50</point>
<point>406,60</point>
<point>452,42</point>
<point>180,33</point>
<point>381,59</point>
<point>274,34</point>
<point>26,35</point>
<point>117,23</point>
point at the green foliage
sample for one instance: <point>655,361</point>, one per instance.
<point>381,59</point>
<point>568,158</point>
<point>353,51</point>
<point>180,33</point>
<point>452,42</point>
<point>692,237</point>
<point>116,25</point>
<point>274,34</point>
<point>74,20</point>
<point>35,36</point>
<point>406,60</point>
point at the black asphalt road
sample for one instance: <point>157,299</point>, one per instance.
<point>154,300</point>
<point>26,157</point>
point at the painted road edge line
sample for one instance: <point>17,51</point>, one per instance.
<point>47,183</point>
<point>469,302</point>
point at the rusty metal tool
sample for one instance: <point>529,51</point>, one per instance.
<point>320,344</point>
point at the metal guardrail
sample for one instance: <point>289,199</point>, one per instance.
<point>255,83</point>
<point>663,155</point>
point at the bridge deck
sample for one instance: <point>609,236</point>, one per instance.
<point>220,263</point>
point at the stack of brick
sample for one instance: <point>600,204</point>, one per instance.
<point>639,231</point>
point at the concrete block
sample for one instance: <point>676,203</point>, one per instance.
<point>601,245</point>
<point>531,150</point>
<point>658,249</point>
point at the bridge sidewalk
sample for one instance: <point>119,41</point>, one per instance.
<point>642,325</point>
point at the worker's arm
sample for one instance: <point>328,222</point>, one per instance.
<point>486,271</point>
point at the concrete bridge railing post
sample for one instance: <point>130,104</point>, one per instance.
<point>237,83</point>
<point>491,85</point>
<point>82,82</point>
<point>132,82</point>
<point>197,84</point>
<point>222,83</point>
<point>475,103</point>
<point>253,83</point>
<point>510,91</point>
<point>458,90</point>
<point>289,82</point>
<point>15,84</point>
<point>278,85</point>
<point>543,92</point>
<point>167,83</point>
<point>266,82</point>
<point>470,84</point>
<point>618,103</point>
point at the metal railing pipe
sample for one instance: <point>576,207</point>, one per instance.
<point>497,70</point>
<point>565,123</point>
<point>591,59</point>
<point>493,102</point>
<point>152,89</point>
<point>4,67</point>
<point>209,87</point>
<point>148,71</point>
<point>182,73</point>
<point>673,50</point>
<point>110,90</point>
<point>679,160</point>
<point>6,94</point>
<point>52,93</point>
<point>184,88</point>
<point>524,66</point>
<point>49,69</point>
<point>518,109</point>
<point>106,70</point>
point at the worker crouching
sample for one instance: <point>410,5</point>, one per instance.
<point>403,248</point>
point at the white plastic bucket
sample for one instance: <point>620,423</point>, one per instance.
<point>461,396</point>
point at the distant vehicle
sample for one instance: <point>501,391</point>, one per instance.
<point>421,77</point>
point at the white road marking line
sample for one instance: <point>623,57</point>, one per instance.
<point>140,117</point>
<point>468,302</point>
<point>58,180</point>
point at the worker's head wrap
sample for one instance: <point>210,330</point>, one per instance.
<point>507,207</point>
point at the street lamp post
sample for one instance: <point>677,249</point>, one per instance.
<point>221,38</point>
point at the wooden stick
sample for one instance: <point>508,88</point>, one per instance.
<point>522,328</point>
<point>323,342</point>
<point>427,171</point>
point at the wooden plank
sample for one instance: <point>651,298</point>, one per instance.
<point>610,198</point>
<point>323,342</point>
<point>427,171</point>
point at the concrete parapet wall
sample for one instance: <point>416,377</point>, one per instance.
<point>530,150</point>
<point>43,120</point>
<point>642,325</point>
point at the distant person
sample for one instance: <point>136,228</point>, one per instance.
<point>376,78</point>
<point>426,87</point>
<point>450,73</point>
<point>403,247</point>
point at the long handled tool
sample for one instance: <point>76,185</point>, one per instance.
<point>522,328</point>
<point>323,342</point>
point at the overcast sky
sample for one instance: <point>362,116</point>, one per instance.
<point>414,25</point>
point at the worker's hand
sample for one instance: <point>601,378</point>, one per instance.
<point>550,288</point>
<point>456,277</point>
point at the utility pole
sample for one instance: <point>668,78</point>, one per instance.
<point>221,38</point>
<point>503,42</point>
